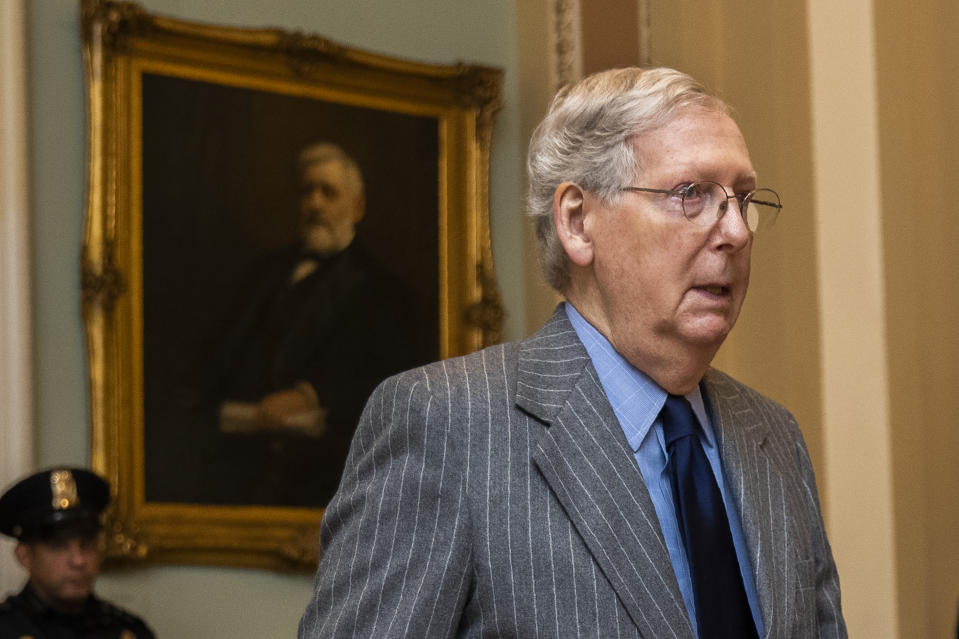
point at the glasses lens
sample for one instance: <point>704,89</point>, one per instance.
<point>703,202</point>
<point>760,209</point>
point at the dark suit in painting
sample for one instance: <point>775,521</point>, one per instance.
<point>341,329</point>
<point>495,495</point>
<point>288,347</point>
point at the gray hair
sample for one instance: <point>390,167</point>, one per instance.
<point>320,152</point>
<point>586,138</point>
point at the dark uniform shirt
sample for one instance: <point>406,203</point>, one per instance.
<point>24,615</point>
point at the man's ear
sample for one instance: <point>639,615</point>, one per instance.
<point>359,208</point>
<point>569,201</point>
<point>22,552</point>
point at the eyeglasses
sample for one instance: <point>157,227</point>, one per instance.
<point>697,201</point>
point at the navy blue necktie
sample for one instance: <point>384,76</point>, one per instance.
<point>722,610</point>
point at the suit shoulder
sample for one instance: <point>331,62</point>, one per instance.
<point>723,388</point>
<point>732,400</point>
<point>455,367</point>
<point>455,381</point>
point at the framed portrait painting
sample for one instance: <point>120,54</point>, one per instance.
<point>275,224</point>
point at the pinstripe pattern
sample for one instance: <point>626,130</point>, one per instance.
<point>495,495</point>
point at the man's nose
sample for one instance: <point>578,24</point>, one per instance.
<point>733,231</point>
<point>76,554</point>
<point>314,199</point>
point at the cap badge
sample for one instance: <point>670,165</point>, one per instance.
<point>64,489</point>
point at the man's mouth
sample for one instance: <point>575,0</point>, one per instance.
<point>715,289</point>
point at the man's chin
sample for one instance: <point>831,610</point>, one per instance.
<point>72,594</point>
<point>322,242</point>
<point>710,333</point>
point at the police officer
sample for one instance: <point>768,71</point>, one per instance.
<point>55,516</point>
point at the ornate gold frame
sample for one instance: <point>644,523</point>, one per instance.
<point>121,40</point>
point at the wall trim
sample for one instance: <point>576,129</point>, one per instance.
<point>566,43</point>
<point>16,375</point>
<point>858,489</point>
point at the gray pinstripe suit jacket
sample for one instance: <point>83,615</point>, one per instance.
<point>494,495</point>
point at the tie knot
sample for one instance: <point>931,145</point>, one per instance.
<point>678,419</point>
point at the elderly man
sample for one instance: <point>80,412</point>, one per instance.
<point>55,517</point>
<point>598,479</point>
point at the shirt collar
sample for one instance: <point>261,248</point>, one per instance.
<point>636,399</point>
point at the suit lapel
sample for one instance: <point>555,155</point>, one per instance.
<point>752,475</point>
<point>583,455</point>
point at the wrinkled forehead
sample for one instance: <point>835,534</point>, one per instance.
<point>697,142</point>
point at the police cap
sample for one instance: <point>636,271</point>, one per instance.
<point>54,503</point>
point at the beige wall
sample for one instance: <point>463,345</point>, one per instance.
<point>856,425</point>
<point>918,88</point>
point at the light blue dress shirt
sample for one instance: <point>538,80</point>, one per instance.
<point>637,400</point>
